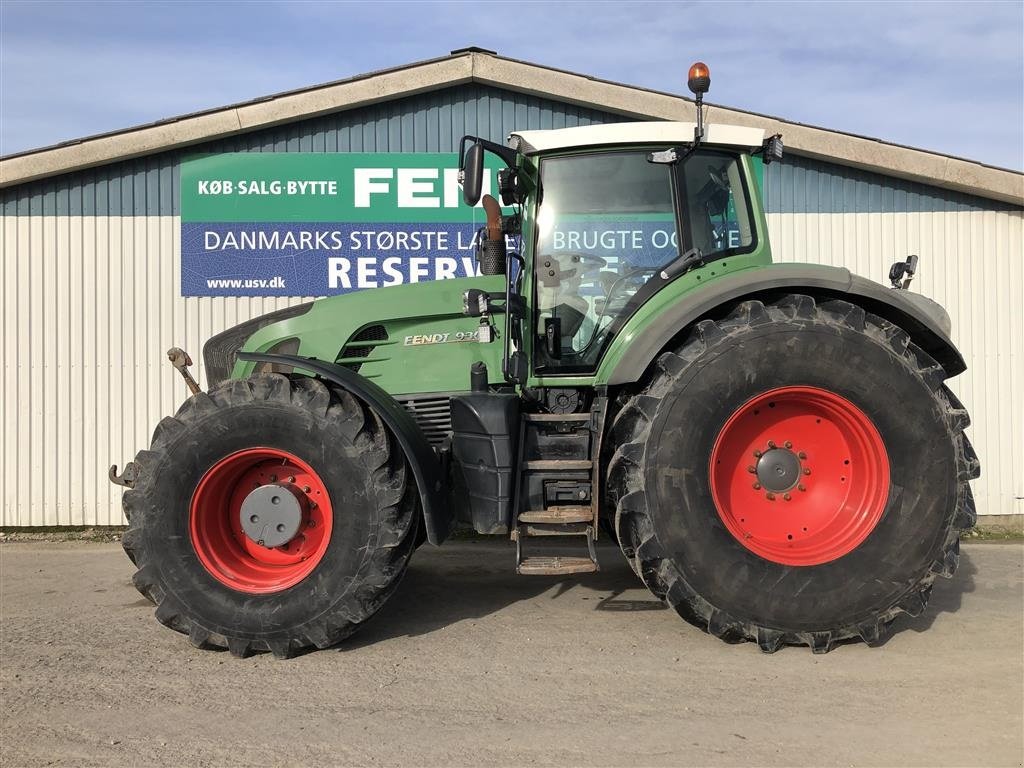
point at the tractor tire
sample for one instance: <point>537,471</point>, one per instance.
<point>794,473</point>
<point>348,551</point>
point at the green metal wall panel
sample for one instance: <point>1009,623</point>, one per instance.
<point>803,185</point>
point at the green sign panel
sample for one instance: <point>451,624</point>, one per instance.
<point>257,224</point>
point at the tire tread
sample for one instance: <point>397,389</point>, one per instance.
<point>631,426</point>
<point>382,460</point>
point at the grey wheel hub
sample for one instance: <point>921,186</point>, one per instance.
<point>272,514</point>
<point>778,469</point>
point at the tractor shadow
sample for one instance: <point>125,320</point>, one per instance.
<point>947,597</point>
<point>468,580</point>
<point>472,579</point>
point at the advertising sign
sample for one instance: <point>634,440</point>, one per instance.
<point>280,224</point>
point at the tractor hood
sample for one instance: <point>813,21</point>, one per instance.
<point>411,338</point>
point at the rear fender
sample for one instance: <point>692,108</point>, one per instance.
<point>423,462</point>
<point>926,321</point>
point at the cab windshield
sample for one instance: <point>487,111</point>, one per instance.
<point>607,223</point>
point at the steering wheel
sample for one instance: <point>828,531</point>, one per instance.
<point>624,281</point>
<point>600,328</point>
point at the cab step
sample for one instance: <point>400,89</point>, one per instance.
<point>555,566</point>
<point>558,515</point>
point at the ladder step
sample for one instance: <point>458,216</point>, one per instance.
<point>554,566</point>
<point>555,465</point>
<point>559,529</point>
<point>558,515</point>
<point>556,417</point>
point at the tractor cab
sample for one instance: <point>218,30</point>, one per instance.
<point>608,215</point>
<point>610,219</point>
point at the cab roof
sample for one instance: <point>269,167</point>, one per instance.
<point>611,134</point>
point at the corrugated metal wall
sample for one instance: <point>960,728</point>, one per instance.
<point>91,290</point>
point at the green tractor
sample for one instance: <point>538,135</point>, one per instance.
<point>772,446</point>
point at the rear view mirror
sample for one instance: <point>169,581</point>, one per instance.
<point>473,174</point>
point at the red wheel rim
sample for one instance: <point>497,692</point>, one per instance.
<point>841,482</point>
<point>215,527</point>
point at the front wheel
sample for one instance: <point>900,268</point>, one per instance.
<point>795,473</point>
<point>272,514</point>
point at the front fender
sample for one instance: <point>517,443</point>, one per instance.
<point>646,334</point>
<point>423,462</point>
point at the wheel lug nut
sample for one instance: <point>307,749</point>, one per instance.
<point>291,478</point>
<point>788,444</point>
<point>273,478</point>
<point>801,487</point>
<point>305,489</point>
<point>757,486</point>
<point>771,443</point>
<point>311,524</point>
<point>770,496</point>
<point>787,497</point>
<point>802,455</point>
<point>757,454</point>
<point>751,470</point>
<point>807,470</point>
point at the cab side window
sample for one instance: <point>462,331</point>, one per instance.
<point>717,213</point>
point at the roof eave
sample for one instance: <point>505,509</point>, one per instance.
<point>485,68</point>
<point>240,118</point>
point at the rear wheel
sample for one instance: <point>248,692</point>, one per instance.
<point>795,473</point>
<point>271,514</point>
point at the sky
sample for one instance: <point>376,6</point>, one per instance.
<point>947,77</point>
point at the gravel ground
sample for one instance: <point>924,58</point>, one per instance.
<point>471,665</point>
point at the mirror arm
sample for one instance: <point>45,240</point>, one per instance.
<point>515,312</point>
<point>505,153</point>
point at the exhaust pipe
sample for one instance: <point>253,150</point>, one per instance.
<point>491,246</point>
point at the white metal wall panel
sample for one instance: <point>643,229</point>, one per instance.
<point>92,303</point>
<point>971,263</point>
